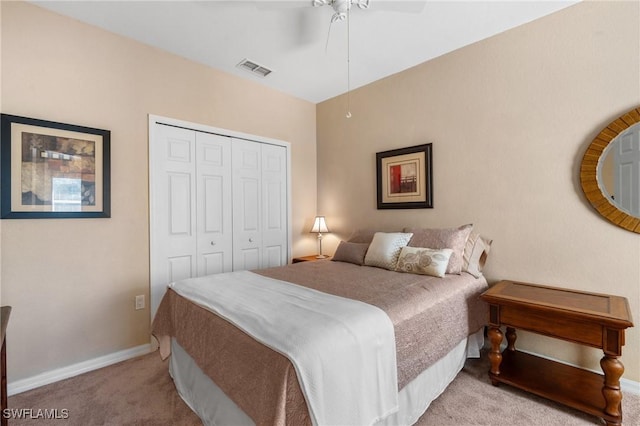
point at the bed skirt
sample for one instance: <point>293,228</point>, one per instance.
<point>213,406</point>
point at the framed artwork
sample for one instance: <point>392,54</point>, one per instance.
<point>404,178</point>
<point>53,170</point>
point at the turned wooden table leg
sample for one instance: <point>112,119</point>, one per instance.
<point>495,356</point>
<point>613,369</point>
<point>511,338</point>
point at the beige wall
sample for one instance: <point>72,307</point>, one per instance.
<point>72,282</point>
<point>509,118</point>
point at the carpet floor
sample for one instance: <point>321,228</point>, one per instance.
<point>140,392</point>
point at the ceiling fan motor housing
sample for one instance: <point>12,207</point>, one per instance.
<point>341,7</point>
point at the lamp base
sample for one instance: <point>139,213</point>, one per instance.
<point>321,256</point>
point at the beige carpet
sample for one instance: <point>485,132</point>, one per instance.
<point>140,392</point>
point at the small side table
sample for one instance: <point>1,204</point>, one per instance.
<point>5,312</point>
<point>311,258</point>
<point>591,319</point>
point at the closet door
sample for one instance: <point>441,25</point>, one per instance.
<point>260,229</point>
<point>191,221</point>
<point>214,204</point>
<point>247,207</point>
<point>173,206</point>
<point>217,204</point>
<point>274,206</point>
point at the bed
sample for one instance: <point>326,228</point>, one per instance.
<point>230,377</point>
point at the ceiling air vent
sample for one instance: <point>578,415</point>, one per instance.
<point>254,68</point>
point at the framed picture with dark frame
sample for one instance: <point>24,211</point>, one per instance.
<point>53,170</point>
<point>404,178</point>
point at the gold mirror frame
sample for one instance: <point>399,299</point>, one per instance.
<point>589,172</point>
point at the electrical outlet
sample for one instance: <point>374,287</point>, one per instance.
<point>139,302</point>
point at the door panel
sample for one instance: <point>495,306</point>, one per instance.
<point>214,204</point>
<point>273,256</point>
<point>179,204</point>
<point>180,268</point>
<point>213,263</point>
<point>172,178</point>
<point>272,203</point>
<point>274,210</point>
<point>247,226</point>
<point>247,210</point>
<point>248,258</point>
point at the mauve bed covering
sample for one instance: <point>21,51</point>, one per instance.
<point>430,317</point>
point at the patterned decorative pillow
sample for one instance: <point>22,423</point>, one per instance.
<point>424,261</point>
<point>475,254</point>
<point>453,238</point>
<point>385,248</point>
<point>351,252</point>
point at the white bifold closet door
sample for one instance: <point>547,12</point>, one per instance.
<point>214,230</point>
<point>218,204</point>
<point>191,225</point>
<point>259,205</point>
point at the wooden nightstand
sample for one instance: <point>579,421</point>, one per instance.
<point>591,319</point>
<point>307,259</point>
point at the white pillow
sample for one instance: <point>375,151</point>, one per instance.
<point>424,261</point>
<point>385,248</point>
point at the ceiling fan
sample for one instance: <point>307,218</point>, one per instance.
<point>342,7</point>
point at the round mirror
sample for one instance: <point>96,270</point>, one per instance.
<point>610,171</point>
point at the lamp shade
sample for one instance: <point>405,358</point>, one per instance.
<point>319,225</point>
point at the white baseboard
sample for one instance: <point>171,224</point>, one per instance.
<point>58,374</point>
<point>630,386</point>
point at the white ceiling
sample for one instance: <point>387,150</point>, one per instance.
<point>289,37</point>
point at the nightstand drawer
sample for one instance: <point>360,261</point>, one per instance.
<point>565,328</point>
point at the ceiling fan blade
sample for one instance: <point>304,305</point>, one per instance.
<point>407,6</point>
<point>281,4</point>
<point>298,16</point>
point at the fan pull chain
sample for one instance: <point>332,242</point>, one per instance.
<point>326,45</point>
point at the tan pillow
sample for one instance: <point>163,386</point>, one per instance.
<point>351,252</point>
<point>362,236</point>
<point>424,261</point>
<point>453,238</point>
<point>385,248</point>
<point>475,254</point>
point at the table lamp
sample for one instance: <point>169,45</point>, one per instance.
<point>320,227</point>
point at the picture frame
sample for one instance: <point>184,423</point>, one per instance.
<point>52,170</point>
<point>404,178</point>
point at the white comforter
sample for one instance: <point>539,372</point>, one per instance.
<point>343,350</point>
